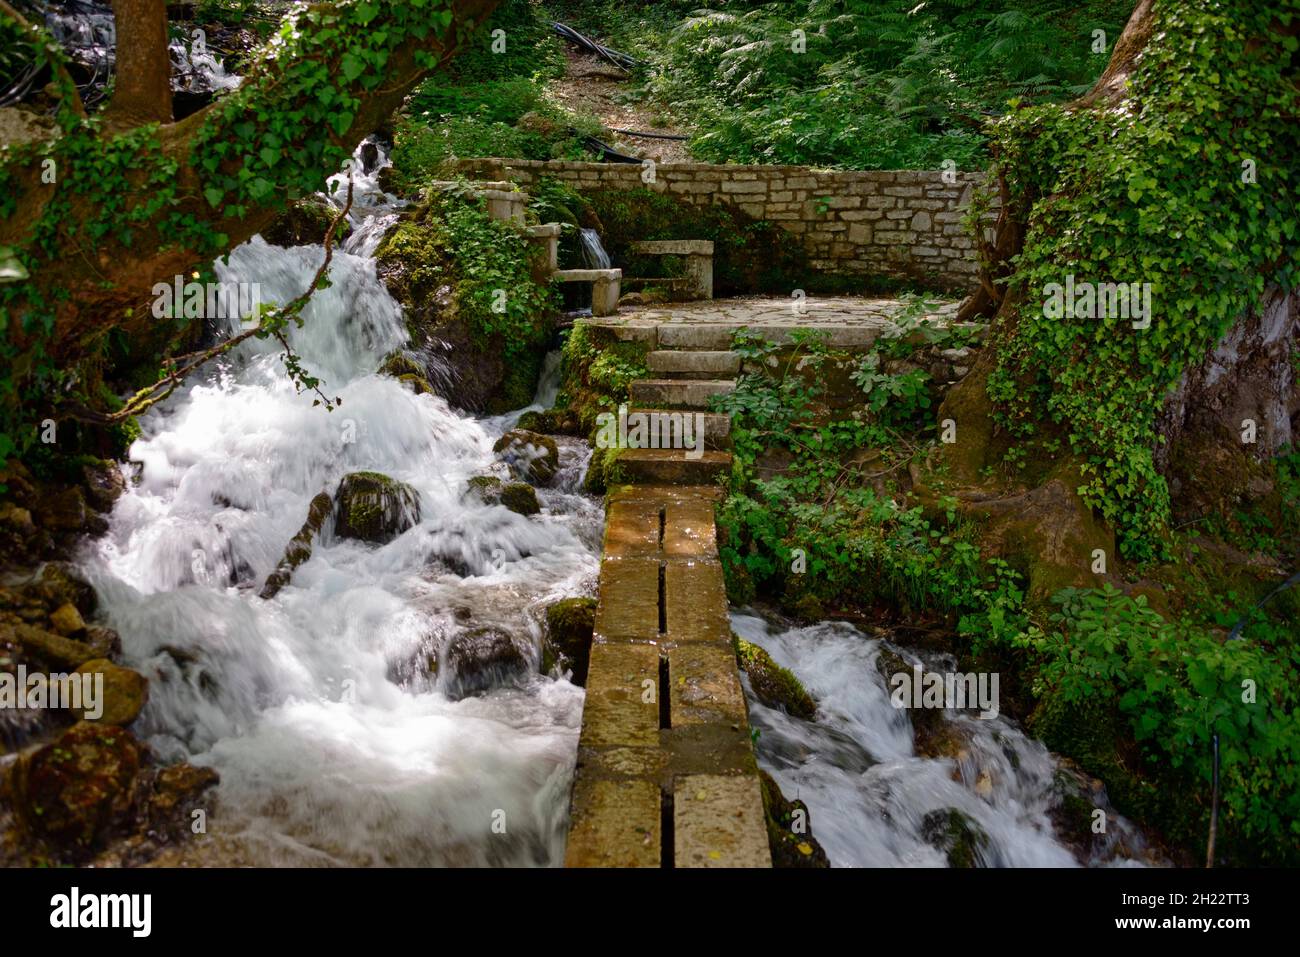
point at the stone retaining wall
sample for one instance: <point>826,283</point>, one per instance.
<point>904,224</point>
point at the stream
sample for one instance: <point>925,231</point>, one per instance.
<point>867,790</point>
<point>334,743</point>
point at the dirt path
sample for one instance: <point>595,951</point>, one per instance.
<point>590,85</point>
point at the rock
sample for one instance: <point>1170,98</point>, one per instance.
<point>789,829</point>
<point>418,383</point>
<point>954,833</point>
<point>569,626</point>
<point>104,484</point>
<point>54,650</point>
<point>75,789</point>
<point>399,364</point>
<point>176,793</point>
<point>550,422</point>
<point>67,620</point>
<point>481,659</point>
<point>516,496</point>
<point>372,507</point>
<point>124,692</point>
<point>531,456</point>
<point>305,223</point>
<point>773,685</point>
<point>104,642</point>
<point>59,582</point>
<point>17,519</point>
<point>64,510</point>
<point>299,548</point>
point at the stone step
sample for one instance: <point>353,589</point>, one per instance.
<point>686,335</point>
<point>678,393</point>
<point>716,426</point>
<point>672,466</point>
<point>699,364</point>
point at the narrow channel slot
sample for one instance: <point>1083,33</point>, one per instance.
<point>665,706</point>
<point>663,599</point>
<point>666,857</point>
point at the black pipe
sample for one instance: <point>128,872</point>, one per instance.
<point>653,136</point>
<point>621,60</point>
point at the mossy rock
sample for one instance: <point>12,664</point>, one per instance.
<point>371,507</point>
<point>550,422</point>
<point>481,659</point>
<point>305,223</point>
<point>398,364</point>
<point>75,789</point>
<point>418,383</point>
<point>519,497</point>
<point>957,835</point>
<point>570,623</point>
<point>789,829</point>
<point>124,692</point>
<point>773,685</point>
<point>531,456</point>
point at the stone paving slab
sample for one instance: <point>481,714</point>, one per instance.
<point>627,602</point>
<point>616,711</point>
<point>718,822</point>
<point>615,824</point>
<point>705,685</point>
<point>696,602</point>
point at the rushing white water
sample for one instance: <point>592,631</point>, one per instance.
<point>868,792</point>
<point>594,255</point>
<point>334,742</point>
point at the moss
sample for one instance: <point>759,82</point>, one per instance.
<point>569,627</point>
<point>597,370</point>
<point>372,507</point>
<point>773,685</point>
<point>304,223</point>
<point>955,834</point>
<point>789,829</point>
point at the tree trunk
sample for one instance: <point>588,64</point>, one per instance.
<point>99,286</point>
<point>142,91</point>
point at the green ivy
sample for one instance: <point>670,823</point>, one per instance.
<point>1155,192</point>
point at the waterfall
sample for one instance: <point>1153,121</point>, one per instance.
<point>868,792</point>
<point>335,741</point>
<point>593,252</point>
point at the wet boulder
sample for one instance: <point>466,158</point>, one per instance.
<point>530,456</point>
<point>789,829</point>
<point>305,223</point>
<point>957,835</point>
<point>59,583</point>
<point>103,483</point>
<point>176,792</point>
<point>482,659</point>
<point>63,510</point>
<point>773,685</point>
<point>516,496</point>
<point>569,626</point>
<point>371,507</point>
<point>123,692</point>
<point>73,790</point>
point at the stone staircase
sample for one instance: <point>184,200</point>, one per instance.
<point>666,774</point>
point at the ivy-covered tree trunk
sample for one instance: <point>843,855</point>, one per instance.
<point>106,207</point>
<point>1175,172</point>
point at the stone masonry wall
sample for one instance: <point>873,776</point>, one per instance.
<point>904,224</point>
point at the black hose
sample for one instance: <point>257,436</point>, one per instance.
<point>652,136</point>
<point>621,60</point>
